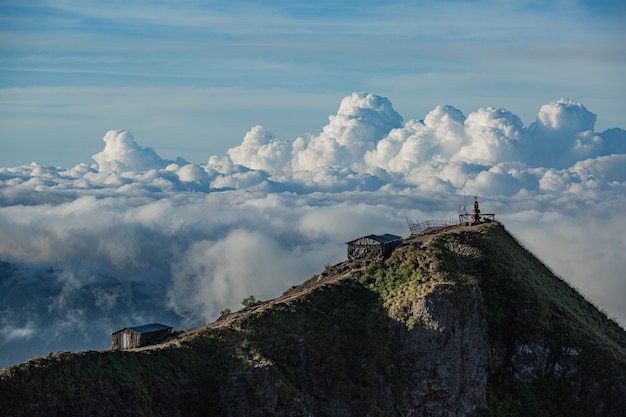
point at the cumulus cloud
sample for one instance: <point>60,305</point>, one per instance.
<point>122,153</point>
<point>494,135</point>
<point>565,116</point>
<point>606,169</point>
<point>498,180</point>
<point>361,120</point>
<point>614,141</point>
<point>136,238</point>
<point>260,149</point>
<point>563,134</point>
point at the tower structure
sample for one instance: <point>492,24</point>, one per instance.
<point>475,217</point>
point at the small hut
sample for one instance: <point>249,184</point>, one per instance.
<point>377,245</point>
<point>138,336</point>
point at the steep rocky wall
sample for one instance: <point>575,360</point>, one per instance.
<point>447,360</point>
<point>444,360</point>
<point>449,356</point>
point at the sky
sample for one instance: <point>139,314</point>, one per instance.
<point>159,161</point>
<point>72,70</point>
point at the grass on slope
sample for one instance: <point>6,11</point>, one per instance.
<point>175,378</point>
<point>333,343</point>
<point>518,288</point>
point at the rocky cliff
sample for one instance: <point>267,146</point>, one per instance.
<point>462,322</point>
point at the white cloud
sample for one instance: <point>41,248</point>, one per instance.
<point>137,237</point>
<point>361,120</point>
<point>565,115</point>
<point>10,333</point>
<point>404,149</point>
<point>608,169</point>
<point>190,173</point>
<point>495,182</point>
<point>213,275</point>
<point>494,135</point>
<point>563,134</point>
<point>447,123</point>
<point>262,150</point>
<point>122,153</point>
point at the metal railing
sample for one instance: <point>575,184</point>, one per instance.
<point>418,227</point>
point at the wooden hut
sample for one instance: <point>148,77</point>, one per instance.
<point>138,336</point>
<point>373,245</point>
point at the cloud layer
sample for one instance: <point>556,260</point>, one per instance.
<point>134,237</point>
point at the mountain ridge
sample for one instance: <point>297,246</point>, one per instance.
<point>457,321</point>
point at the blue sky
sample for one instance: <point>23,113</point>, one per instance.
<point>190,78</point>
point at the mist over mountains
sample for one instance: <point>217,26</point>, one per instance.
<point>134,238</point>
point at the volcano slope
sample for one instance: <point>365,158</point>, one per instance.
<point>461,321</point>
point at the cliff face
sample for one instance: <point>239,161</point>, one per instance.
<point>363,364</point>
<point>461,323</point>
<point>451,354</point>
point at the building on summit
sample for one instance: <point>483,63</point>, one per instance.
<point>138,336</point>
<point>373,245</point>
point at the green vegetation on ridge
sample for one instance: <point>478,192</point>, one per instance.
<point>335,340</point>
<point>70,384</point>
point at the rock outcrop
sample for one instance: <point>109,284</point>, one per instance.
<point>450,353</point>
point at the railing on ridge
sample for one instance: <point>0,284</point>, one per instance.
<point>418,227</point>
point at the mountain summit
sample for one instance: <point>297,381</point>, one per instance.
<point>456,321</point>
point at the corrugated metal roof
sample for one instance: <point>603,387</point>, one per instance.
<point>386,238</point>
<point>146,328</point>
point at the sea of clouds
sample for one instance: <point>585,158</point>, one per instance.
<point>134,238</point>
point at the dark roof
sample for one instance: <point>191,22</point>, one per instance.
<point>146,328</point>
<point>386,238</point>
